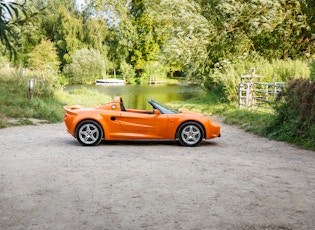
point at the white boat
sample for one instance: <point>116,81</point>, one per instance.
<point>110,82</point>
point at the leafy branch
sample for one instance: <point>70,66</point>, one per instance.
<point>12,16</point>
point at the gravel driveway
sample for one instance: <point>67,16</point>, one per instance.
<point>238,181</point>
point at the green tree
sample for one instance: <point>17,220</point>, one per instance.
<point>30,34</point>
<point>50,14</point>
<point>146,46</point>
<point>44,62</point>
<point>44,58</point>
<point>70,34</point>
<point>95,33</point>
<point>184,35</point>
<point>86,66</point>
<point>287,37</point>
<point>12,16</point>
<point>245,31</point>
<point>308,8</point>
<point>270,28</point>
<point>62,23</point>
<point>121,34</point>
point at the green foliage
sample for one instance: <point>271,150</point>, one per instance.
<point>290,30</point>
<point>128,72</point>
<point>44,59</point>
<point>283,71</point>
<point>146,46</point>
<point>308,8</point>
<point>270,28</point>
<point>86,66</point>
<point>224,80</point>
<point>3,62</point>
<point>59,22</point>
<point>312,67</point>
<point>184,36</point>
<point>226,75</point>
<point>296,115</point>
<point>96,32</point>
<point>12,15</point>
<point>71,34</point>
<point>153,71</point>
<point>187,36</point>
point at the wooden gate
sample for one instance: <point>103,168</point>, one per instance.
<point>259,96</point>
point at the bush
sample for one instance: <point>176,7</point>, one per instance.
<point>87,65</point>
<point>128,72</point>
<point>295,117</point>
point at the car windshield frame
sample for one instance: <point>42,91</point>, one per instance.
<point>164,109</point>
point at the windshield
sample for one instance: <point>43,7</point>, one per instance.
<point>164,109</point>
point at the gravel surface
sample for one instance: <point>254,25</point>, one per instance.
<point>239,181</point>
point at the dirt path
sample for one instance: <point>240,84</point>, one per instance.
<point>238,181</point>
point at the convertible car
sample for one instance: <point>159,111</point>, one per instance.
<point>112,121</point>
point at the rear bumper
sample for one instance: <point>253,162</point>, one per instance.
<point>68,119</point>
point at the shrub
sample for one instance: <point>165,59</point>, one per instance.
<point>87,65</point>
<point>295,116</point>
<point>128,72</point>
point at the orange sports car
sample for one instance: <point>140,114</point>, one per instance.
<point>112,121</point>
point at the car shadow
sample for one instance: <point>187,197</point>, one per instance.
<point>139,142</point>
<point>153,143</point>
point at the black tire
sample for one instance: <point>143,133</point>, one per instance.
<point>190,134</point>
<point>89,133</point>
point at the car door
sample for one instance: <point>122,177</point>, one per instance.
<point>143,125</point>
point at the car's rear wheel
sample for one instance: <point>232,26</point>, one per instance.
<point>89,133</point>
<point>190,134</point>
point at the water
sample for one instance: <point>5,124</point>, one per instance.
<point>136,96</point>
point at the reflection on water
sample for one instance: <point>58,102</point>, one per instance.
<point>136,96</point>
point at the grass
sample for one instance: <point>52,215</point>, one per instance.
<point>84,97</point>
<point>15,102</point>
<point>46,105</point>
<point>253,122</point>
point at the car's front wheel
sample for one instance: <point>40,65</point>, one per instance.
<point>190,134</point>
<point>89,132</point>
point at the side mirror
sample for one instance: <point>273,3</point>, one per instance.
<point>157,112</point>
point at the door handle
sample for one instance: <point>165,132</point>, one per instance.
<point>113,118</point>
